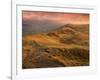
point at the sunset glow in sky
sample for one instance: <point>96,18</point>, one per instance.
<point>63,18</point>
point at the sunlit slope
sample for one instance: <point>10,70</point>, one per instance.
<point>64,46</point>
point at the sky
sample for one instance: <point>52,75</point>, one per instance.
<point>42,21</point>
<point>57,17</point>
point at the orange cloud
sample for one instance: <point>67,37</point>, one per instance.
<point>74,18</point>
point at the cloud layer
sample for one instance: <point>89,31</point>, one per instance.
<point>74,18</point>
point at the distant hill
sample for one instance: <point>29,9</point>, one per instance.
<point>35,26</point>
<point>64,46</point>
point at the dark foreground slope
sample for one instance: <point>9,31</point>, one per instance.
<point>62,47</point>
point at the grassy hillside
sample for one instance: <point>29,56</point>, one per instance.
<point>62,47</point>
